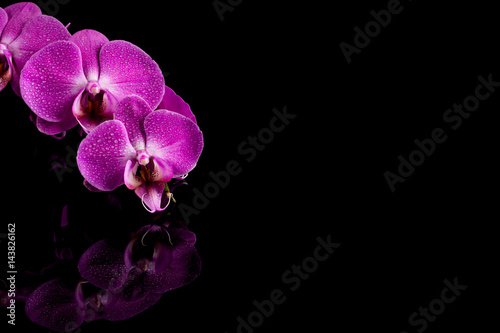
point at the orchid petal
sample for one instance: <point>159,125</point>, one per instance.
<point>53,305</point>
<point>102,265</point>
<point>52,79</point>
<point>5,75</point>
<point>90,43</point>
<point>173,102</point>
<point>131,180</point>
<point>36,34</point>
<point>162,171</point>
<point>184,267</point>
<point>19,14</point>
<point>128,70</point>
<point>174,138</point>
<point>53,128</point>
<point>103,155</point>
<point>4,17</point>
<point>121,309</point>
<point>151,195</point>
<point>132,111</point>
<point>90,120</point>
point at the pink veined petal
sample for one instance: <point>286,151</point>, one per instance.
<point>172,102</point>
<point>90,43</point>
<point>36,34</point>
<point>175,139</point>
<point>103,155</point>
<point>53,128</point>
<point>5,73</point>
<point>162,171</point>
<point>126,70</point>
<point>151,196</point>
<point>131,180</point>
<point>52,79</point>
<point>3,20</point>
<point>132,111</point>
<point>19,14</point>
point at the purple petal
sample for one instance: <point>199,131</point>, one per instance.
<point>172,102</point>
<point>53,128</point>
<point>52,79</point>
<point>5,68</point>
<point>121,309</point>
<point>175,139</point>
<point>132,111</point>
<point>53,305</point>
<point>128,70</point>
<point>3,20</point>
<point>89,119</point>
<point>103,265</point>
<point>103,155</point>
<point>184,267</point>
<point>19,14</point>
<point>36,34</point>
<point>90,43</point>
<point>151,195</point>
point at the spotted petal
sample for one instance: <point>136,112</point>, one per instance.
<point>175,139</point>
<point>52,79</point>
<point>128,70</point>
<point>132,111</point>
<point>3,20</point>
<point>54,306</point>
<point>103,155</point>
<point>36,34</point>
<point>19,14</point>
<point>90,43</point>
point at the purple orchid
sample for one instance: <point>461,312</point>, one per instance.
<point>142,149</point>
<point>24,31</point>
<point>83,80</point>
<point>159,258</point>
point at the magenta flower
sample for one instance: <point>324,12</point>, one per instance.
<point>24,31</point>
<point>83,80</point>
<point>142,149</point>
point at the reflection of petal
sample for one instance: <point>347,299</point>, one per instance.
<point>184,267</point>
<point>103,265</point>
<point>53,305</point>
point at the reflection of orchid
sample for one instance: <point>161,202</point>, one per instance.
<point>163,256</point>
<point>24,31</point>
<point>120,281</point>
<point>82,81</point>
<point>142,149</point>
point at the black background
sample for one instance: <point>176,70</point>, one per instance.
<point>322,175</point>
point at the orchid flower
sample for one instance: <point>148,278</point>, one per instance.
<point>83,80</point>
<point>142,149</point>
<point>24,31</point>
